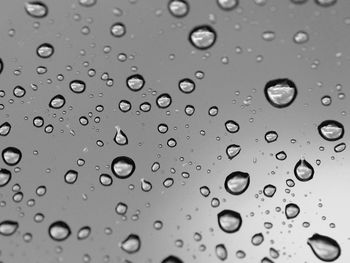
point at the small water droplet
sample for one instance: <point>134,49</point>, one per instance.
<point>229,221</point>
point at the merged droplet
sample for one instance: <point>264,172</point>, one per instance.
<point>187,85</point>
<point>325,3</point>
<point>118,29</point>
<point>5,177</point>
<point>57,102</point>
<point>131,244</point>
<point>135,82</point>
<point>232,151</point>
<point>5,129</point>
<point>269,190</point>
<point>227,5</point>
<point>163,101</point>
<point>11,156</point>
<point>59,231</point>
<point>8,227</point>
<point>324,247</point>
<point>221,252</point>
<point>172,259</point>
<point>120,137</point>
<point>84,232</point>
<point>229,221</point>
<point>303,170</point>
<point>331,130</point>
<point>45,50</point>
<point>231,126</point>
<point>202,37</point>
<point>291,210</point>
<point>237,182</point>
<point>36,9</point>
<point>178,8</point>
<point>77,86</point>
<point>123,167</point>
<point>257,239</point>
<point>280,93</point>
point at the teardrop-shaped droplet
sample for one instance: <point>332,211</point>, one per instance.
<point>8,227</point>
<point>146,186</point>
<point>120,137</point>
<point>340,147</point>
<point>11,156</point>
<point>59,231</point>
<point>324,247</point>
<point>187,85</point>
<point>202,37</point>
<point>57,102</point>
<point>135,82</point>
<point>280,93</point>
<point>281,156</point>
<point>325,3</point>
<point>229,221</point>
<point>106,180</point>
<point>331,130</point>
<point>71,176</point>
<point>303,170</point>
<point>257,239</point>
<point>271,136</point>
<point>123,167</point>
<point>221,252</point>
<point>118,29</point>
<point>84,232</point>
<point>77,86</point>
<point>237,182</point>
<point>131,244</point>
<point>36,9</point>
<point>5,129</point>
<point>231,126</point>
<point>178,8</point>
<point>232,151</point>
<point>269,190</point>
<point>163,101</point>
<point>45,50</point>
<point>227,5</point>
<point>292,210</point>
<point>172,259</point>
<point>5,177</point>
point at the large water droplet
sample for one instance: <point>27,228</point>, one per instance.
<point>292,210</point>
<point>59,231</point>
<point>36,9</point>
<point>301,37</point>
<point>131,244</point>
<point>303,170</point>
<point>5,177</point>
<point>257,239</point>
<point>57,102</point>
<point>11,156</point>
<point>135,82</point>
<point>106,180</point>
<point>340,147</point>
<point>271,136</point>
<point>71,176</point>
<point>229,221</point>
<point>84,232</point>
<point>178,8</point>
<point>87,3</point>
<point>324,247</point>
<point>232,151</point>
<point>231,126</point>
<point>118,29</point>
<point>187,85</point>
<point>331,130</point>
<point>202,37</point>
<point>163,101</point>
<point>123,167</point>
<point>237,182</point>
<point>280,93</point>
<point>8,227</point>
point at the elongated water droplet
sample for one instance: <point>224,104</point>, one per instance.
<point>227,5</point>
<point>131,244</point>
<point>292,210</point>
<point>331,130</point>
<point>11,156</point>
<point>36,9</point>
<point>257,239</point>
<point>221,252</point>
<point>8,227</point>
<point>281,156</point>
<point>87,3</point>
<point>202,37</point>
<point>325,3</point>
<point>178,8</point>
<point>232,151</point>
<point>237,182</point>
<point>266,260</point>
<point>229,221</point>
<point>340,147</point>
<point>303,170</point>
<point>280,93</point>
<point>324,247</point>
<point>120,137</point>
<point>84,232</point>
<point>146,186</point>
<point>301,37</point>
<point>123,167</point>
<point>5,129</point>
<point>269,190</point>
<point>59,231</point>
<point>5,177</point>
<point>57,102</point>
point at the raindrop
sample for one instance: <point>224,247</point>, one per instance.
<point>131,244</point>
<point>292,210</point>
<point>229,221</point>
<point>8,227</point>
<point>303,170</point>
<point>202,37</point>
<point>121,208</point>
<point>5,177</point>
<point>213,111</point>
<point>19,92</point>
<point>118,29</point>
<point>124,105</point>
<point>189,110</point>
<point>146,186</point>
<point>178,8</point>
<point>5,129</point>
<point>77,86</point>
<point>257,239</point>
<point>59,231</point>
<point>269,190</point>
<point>36,9</point>
<point>123,167</point>
<point>11,156</point>
<point>205,191</point>
<point>45,50</point>
<point>227,5</point>
<point>163,101</point>
<point>57,102</point>
<point>331,130</point>
<point>221,252</point>
<point>187,85</point>
<point>324,247</point>
<point>135,82</point>
<point>280,93</point>
<point>71,176</point>
<point>237,182</point>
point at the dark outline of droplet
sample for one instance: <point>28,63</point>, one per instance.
<point>275,82</point>
<point>338,145</point>
<point>77,81</point>
<point>299,3</point>
<point>119,24</point>
<point>171,259</point>
<point>231,176</point>
<point>330,240</point>
<point>187,80</point>
<point>281,152</point>
<point>105,175</point>
<point>164,95</point>
<point>275,133</point>
<point>337,124</point>
<point>127,160</point>
<point>179,16</point>
<point>306,164</point>
<point>8,125</point>
<point>269,186</point>
<point>9,222</point>
<point>325,5</point>
<point>192,107</point>
<point>12,149</point>
<point>1,65</point>
<point>233,122</point>
<point>73,172</point>
<point>8,172</point>
<point>58,96</point>
<point>233,214</point>
<point>62,224</point>
<point>291,205</point>
<point>203,27</point>
<point>46,45</point>
<point>38,117</point>
<point>37,3</point>
<point>227,9</point>
<point>131,236</point>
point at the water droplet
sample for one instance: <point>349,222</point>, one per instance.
<point>331,130</point>
<point>124,105</point>
<point>232,126</point>
<point>135,82</point>
<point>202,37</point>
<point>77,86</point>
<point>11,156</point>
<point>303,170</point>
<point>146,186</point>
<point>8,227</point>
<point>19,92</point>
<point>340,147</point>
<point>213,111</point>
<point>123,167</point>
<point>326,100</point>
<point>301,37</point>
<point>106,180</point>
<point>57,102</point>
<point>266,260</point>
<point>36,9</point>
<point>229,221</point>
<point>163,101</point>
<point>271,136</point>
<point>221,252</point>
<point>268,35</point>
<point>257,239</point>
<point>121,208</point>
<point>281,156</point>
<point>292,210</point>
<point>269,190</point>
<point>205,191</point>
<point>131,244</point>
<point>280,93</point>
<point>87,3</point>
<point>227,5</point>
<point>45,50</point>
<point>187,85</point>
<point>324,247</point>
<point>5,177</point>
<point>189,110</point>
<point>237,182</point>
<point>59,231</point>
<point>178,8</point>
<point>325,3</point>
<point>118,29</point>
<point>71,176</point>
<point>84,233</point>
<point>172,259</point>
<point>232,151</point>
<point>5,129</point>
<point>120,137</point>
